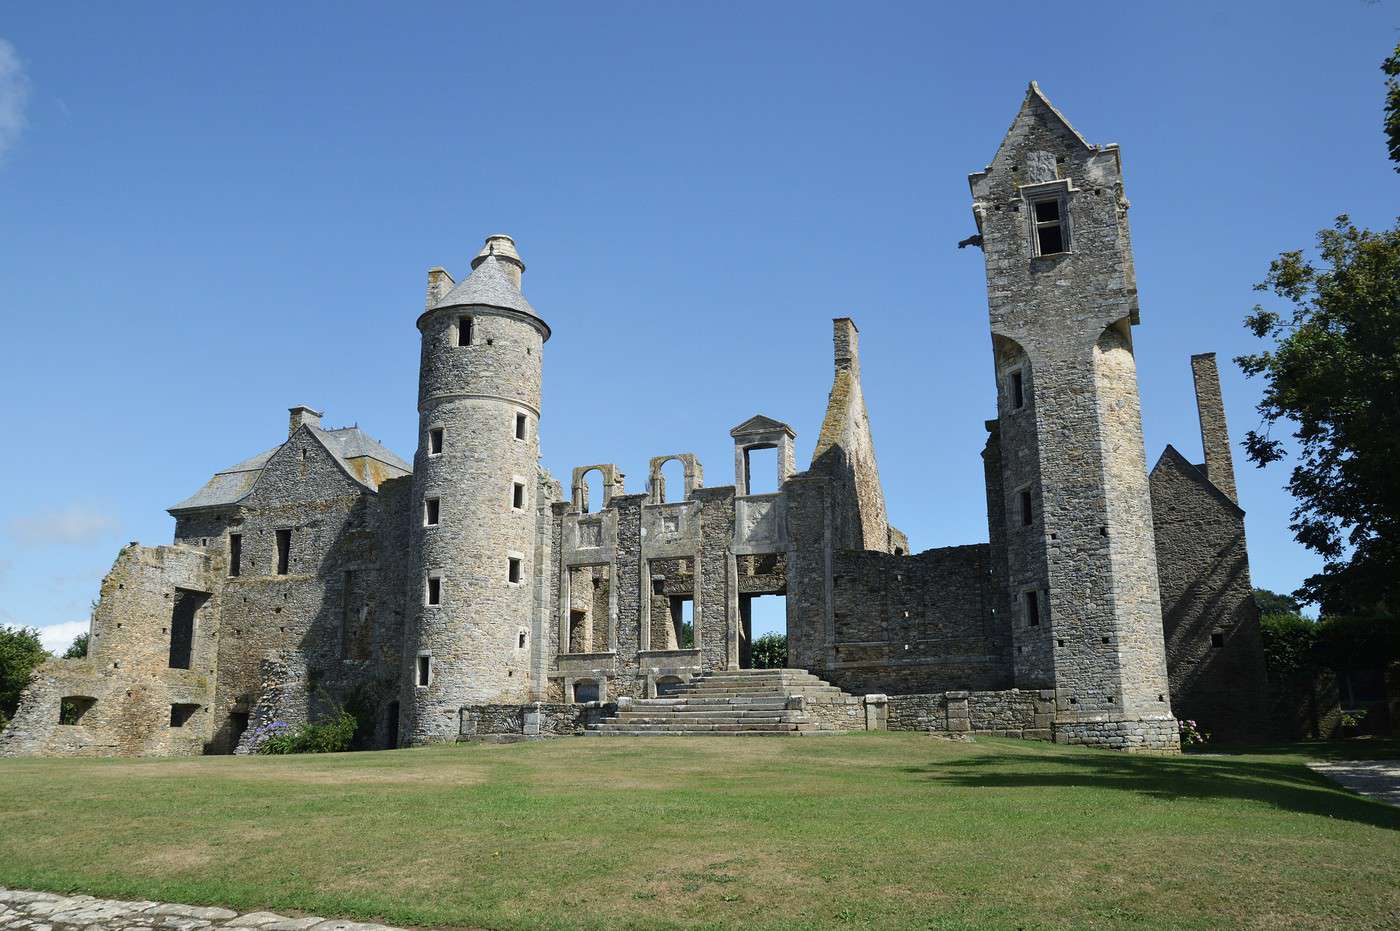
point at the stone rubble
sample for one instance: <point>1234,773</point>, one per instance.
<point>46,911</point>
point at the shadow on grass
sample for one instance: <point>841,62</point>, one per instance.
<point>1282,784</point>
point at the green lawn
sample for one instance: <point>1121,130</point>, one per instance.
<point>869,830</point>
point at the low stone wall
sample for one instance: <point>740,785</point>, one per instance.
<point>1004,713</point>
<point>847,714</point>
<point>1145,734</point>
<point>538,719</point>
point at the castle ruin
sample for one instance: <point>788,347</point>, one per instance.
<point>469,594</point>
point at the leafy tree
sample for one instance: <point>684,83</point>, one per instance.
<point>1391,67</point>
<point>78,648</point>
<point>770,652</point>
<point>1334,372</point>
<point>1274,603</point>
<point>20,653</point>
<point>1290,642</point>
<point>687,635</point>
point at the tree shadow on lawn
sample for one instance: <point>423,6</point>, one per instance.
<point>1286,785</point>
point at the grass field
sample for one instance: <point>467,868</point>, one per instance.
<point>872,830</point>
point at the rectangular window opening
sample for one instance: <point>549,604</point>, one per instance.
<point>464,331</point>
<point>1049,227</point>
<point>520,426</point>
<point>1027,513</point>
<point>517,495</point>
<point>182,615</point>
<point>284,551</point>
<point>434,593</point>
<point>1217,640</point>
<point>425,670</point>
<point>235,554</point>
<point>513,569</point>
<point>435,441</point>
<point>71,708</point>
<point>180,714</point>
<point>1033,609</point>
<point>521,644</point>
<point>1018,390</point>
<point>432,510</point>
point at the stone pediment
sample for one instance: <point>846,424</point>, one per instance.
<point>760,424</point>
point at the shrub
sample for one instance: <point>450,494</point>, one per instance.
<point>280,737</point>
<point>20,654</point>
<point>1192,734</point>
<point>770,652</point>
<point>1290,642</point>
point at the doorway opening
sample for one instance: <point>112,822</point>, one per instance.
<point>763,636</point>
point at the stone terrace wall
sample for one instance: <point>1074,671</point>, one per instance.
<point>538,719</point>
<point>1004,713</point>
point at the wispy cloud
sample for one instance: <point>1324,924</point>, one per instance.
<point>14,94</point>
<point>75,524</point>
<point>58,637</point>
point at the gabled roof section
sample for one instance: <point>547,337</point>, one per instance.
<point>761,424</point>
<point>1172,458</point>
<point>1036,107</point>
<point>232,485</point>
<point>487,286</point>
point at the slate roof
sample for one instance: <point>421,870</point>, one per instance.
<point>233,484</point>
<point>488,285</point>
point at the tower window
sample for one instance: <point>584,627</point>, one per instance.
<point>464,331</point>
<point>284,550</point>
<point>235,554</point>
<point>517,495</point>
<point>521,643</point>
<point>435,441</point>
<point>1027,514</point>
<point>1049,227</point>
<point>520,426</point>
<point>433,595</point>
<point>1217,640</point>
<point>513,569</point>
<point>432,508</point>
<point>425,670</point>
<point>1018,390</point>
<point>1033,609</point>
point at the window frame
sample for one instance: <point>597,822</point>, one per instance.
<point>432,511</point>
<point>436,440</point>
<point>428,579</point>
<point>1058,191</point>
<point>465,326</point>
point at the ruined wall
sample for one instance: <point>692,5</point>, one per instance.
<point>917,623</point>
<point>127,677</point>
<point>1215,656</point>
<point>1003,713</point>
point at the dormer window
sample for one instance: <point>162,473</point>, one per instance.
<point>1051,235</point>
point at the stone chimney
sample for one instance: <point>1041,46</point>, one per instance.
<point>503,248</point>
<point>301,414</point>
<point>847,339</point>
<point>1215,435</point>
<point>439,283</point>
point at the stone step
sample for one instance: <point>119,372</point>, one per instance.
<point>749,701</point>
<point>775,714</point>
<point>697,728</point>
<point>679,733</point>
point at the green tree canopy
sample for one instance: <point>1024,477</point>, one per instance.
<point>1391,67</point>
<point>20,653</point>
<point>1334,373</point>
<point>1274,603</point>
<point>78,648</point>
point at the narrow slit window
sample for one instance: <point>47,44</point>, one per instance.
<point>1018,390</point>
<point>434,593</point>
<point>425,670</point>
<point>521,643</point>
<point>517,495</point>
<point>464,331</point>
<point>1027,513</point>
<point>513,569</point>
<point>435,441</point>
<point>1033,609</point>
<point>432,511</point>
<point>520,426</point>
<point>284,551</point>
<point>235,554</point>
<point>1049,227</point>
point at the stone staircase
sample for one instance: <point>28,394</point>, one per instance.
<point>729,703</point>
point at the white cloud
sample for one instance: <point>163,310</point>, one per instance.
<point>14,94</point>
<point>58,637</point>
<point>75,524</point>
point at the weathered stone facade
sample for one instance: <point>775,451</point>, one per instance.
<point>470,596</point>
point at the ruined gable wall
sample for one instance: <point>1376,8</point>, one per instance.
<point>1204,570</point>
<point>127,669</point>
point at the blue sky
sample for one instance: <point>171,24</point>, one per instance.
<point>211,213</point>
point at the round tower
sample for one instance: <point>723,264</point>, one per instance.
<point>474,476</point>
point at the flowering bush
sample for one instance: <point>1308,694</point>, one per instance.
<point>1192,734</point>
<point>280,737</point>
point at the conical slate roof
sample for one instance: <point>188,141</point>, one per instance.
<point>489,286</point>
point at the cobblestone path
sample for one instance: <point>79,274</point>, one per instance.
<point>44,911</point>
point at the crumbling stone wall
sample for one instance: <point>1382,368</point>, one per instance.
<point>127,670</point>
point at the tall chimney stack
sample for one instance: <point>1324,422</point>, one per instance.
<point>302,414</point>
<point>1215,435</point>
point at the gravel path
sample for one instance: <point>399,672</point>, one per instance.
<point>1379,779</point>
<point>44,911</point>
